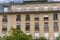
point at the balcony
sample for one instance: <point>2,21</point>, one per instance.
<point>49,10</point>
<point>22,11</point>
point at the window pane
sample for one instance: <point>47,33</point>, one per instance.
<point>46,26</point>
<point>46,34</point>
<point>5,9</point>
<point>56,25</point>
<point>56,34</point>
<point>45,8</point>
<point>27,8</point>
<point>27,33</point>
<point>4,18</point>
<point>27,26</point>
<point>37,26</point>
<point>19,9</point>
<point>55,16</point>
<point>18,26</point>
<point>18,18</point>
<point>27,17</point>
<point>55,7</point>
<point>36,35</point>
<point>36,17</point>
<point>45,16</point>
<point>36,8</point>
<point>4,27</point>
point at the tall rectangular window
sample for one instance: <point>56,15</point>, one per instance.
<point>5,9</point>
<point>36,25</point>
<point>46,17</point>
<point>36,17</point>
<point>46,26</point>
<point>55,16</point>
<point>18,18</point>
<point>4,27</point>
<point>4,18</point>
<point>27,26</point>
<point>55,25</point>
<point>27,18</point>
<point>18,26</point>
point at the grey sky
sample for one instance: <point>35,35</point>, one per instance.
<point>10,0</point>
<point>14,0</point>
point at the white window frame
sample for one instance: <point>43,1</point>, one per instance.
<point>5,9</point>
<point>37,35</point>
<point>19,9</point>
<point>36,8</point>
<point>27,33</point>
<point>45,15</point>
<point>3,34</point>
<point>5,25</point>
<point>46,35</point>
<point>36,15</point>
<point>56,34</point>
<point>45,8</point>
<point>55,7</point>
<point>27,8</point>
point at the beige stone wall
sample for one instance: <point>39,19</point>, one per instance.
<point>12,20</point>
<point>23,6</point>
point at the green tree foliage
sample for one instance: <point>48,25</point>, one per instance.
<point>58,38</point>
<point>17,35</point>
<point>41,38</point>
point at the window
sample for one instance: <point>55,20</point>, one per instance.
<point>45,16</point>
<point>27,17</point>
<point>45,8</point>
<point>37,35</point>
<point>46,35</point>
<point>27,26</point>
<point>5,9</point>
<point>36,17</point>
<point>55,7</point>
<point>18,26</point>
<point>36,25</point>
<point>4,18</point>
<point>27,33</point>
<point>55,16</point>
<point>3,34</point>
<point>56,34</point>
<point>56,25</point>
<point>4,27</point>
<point>27,8</point>
<point>19,9</point>
<point>36,8</point>
<point>46,26</point>
<point>18,18</point>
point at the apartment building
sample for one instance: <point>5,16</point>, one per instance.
<point>35,18</point>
